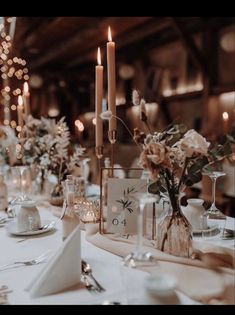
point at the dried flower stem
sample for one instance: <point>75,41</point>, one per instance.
<point>60,170</point>
<point>182,174</point>
<point>132,136</point>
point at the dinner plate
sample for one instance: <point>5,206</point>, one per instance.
<point>12,228</point>
<point>4,221</point>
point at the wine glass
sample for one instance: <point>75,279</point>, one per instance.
<point>214,216</point>
<point>140,257</point>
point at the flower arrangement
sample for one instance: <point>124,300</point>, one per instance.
<point>47,146</point>
<point>176,158</point>
<point>8,143</point>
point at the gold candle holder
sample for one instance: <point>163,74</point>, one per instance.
<point>99,152</point>
<point>112,134</point>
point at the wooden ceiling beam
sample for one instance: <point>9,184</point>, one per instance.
<point>41,30</point>
<point>190,45</point>
<point>24,27</point>
<point>78,38</point>
<point>150,27</point>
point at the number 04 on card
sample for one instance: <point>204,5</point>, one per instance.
<point>123,206</point>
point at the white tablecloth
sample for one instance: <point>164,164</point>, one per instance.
<point>106,268</point>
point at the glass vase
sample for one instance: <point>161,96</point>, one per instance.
<point>57,195</point>
<point>174,233</point>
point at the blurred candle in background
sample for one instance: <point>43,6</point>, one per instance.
<point>26,97</point>
<point>225,117</point>
<point>143,112</point>
<point>98,100</point>
<point>111,81</point>
<point>20,109</point>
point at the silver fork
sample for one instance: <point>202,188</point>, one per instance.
<point>86,269</point>
<point>90,287</point>
<point>31,262</point>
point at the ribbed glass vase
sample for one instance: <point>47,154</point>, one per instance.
<point>174,233</point>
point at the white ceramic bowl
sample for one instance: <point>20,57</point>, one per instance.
<point>161,285</point>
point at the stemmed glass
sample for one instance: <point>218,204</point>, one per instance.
<point>213,215</point>
<point>22,196</point>
<point>139,257</point>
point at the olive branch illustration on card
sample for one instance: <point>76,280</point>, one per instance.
<point>125,200</point>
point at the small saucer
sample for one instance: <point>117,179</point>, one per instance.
<point>208,230</point>
<point>12,229</point>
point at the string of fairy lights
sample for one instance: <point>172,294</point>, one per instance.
<point>14,73</point>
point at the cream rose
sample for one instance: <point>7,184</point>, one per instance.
<point>156,153</point>
<point>193,143</point>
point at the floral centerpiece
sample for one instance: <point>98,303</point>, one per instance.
<point>176,158</point>
<point>47,146</point>
<point>8,143</point>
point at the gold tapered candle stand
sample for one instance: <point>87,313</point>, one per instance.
<point>112,134</point>
<point>99,154</point>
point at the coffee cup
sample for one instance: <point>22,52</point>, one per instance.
<point>28,218</point>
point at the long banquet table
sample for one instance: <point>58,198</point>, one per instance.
<point>106,268</point>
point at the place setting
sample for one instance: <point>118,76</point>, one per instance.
<point>27,221</point>
<point>113,190</point>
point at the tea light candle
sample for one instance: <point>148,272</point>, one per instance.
<point>89,217</point>
<point>111,81</point>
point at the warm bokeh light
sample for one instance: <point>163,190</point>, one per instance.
<point>225,116</point>
<point>53,112</point>
<point>6,122</point>
<point>79,125</point>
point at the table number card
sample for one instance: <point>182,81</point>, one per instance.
<point>122,206</point>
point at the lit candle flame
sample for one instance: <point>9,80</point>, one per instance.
<point>225,116</point>
<point>99,56</point>
<point>109,34</point>
<point>26,88</point>
<point>20,100</point>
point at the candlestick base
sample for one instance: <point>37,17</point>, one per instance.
<point>112,134</point>
<point>99,152</point>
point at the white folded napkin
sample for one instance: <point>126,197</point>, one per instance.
<point>62,271</point>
